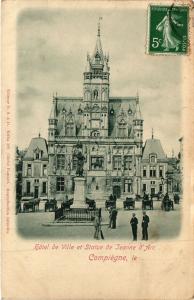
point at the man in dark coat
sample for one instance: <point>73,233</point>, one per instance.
<point>114,218</point>
<point>110,217</point>
<point>144,225</point>
<point>134,222</point>
<point>111,198</point>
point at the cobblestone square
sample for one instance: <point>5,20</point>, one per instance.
<point>163,225</point>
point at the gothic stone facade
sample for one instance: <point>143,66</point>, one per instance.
<point>110,130</point>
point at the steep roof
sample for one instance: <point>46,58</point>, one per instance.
<point>153,146</point>
<point>35,143</point>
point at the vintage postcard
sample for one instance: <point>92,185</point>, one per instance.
<point>97,150</point>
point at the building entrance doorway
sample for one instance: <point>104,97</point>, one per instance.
<point>36,192</point>
<point>117,191</point>
<point>153,191</point>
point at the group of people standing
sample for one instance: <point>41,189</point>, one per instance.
<point>112,224</point>
<point>144,225</point>
<point>98,219</point>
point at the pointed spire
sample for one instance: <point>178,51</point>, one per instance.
<point>138,111</point>
<point>105,67</point>
<point>137,96</point>
<point>87,69</point>
<point>98,47</point>
<point>152,133</point>
<point>100,18</point>
<point>53,110</point>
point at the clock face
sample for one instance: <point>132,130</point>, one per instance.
<point>95,123</point>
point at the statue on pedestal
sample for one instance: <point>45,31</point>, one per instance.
<point>80,160</point>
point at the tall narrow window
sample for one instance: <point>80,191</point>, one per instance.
<point>161,171</point>
<point>28,187</point>
<point>95,94</point>
<point>60,184</point>
<point>44,170</point>
<point>70,129</point>
<point>144,187</point>
<point>128,162</point>
<point>44,187</point>
<point>29,170</point>
<point>127,186</point>
<point>144,171</point>
<point>117,162</point>
<point>152,171</point>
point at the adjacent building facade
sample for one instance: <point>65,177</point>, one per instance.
<point>19,155</point>
<point>35,170</point>
<point>153,167</point>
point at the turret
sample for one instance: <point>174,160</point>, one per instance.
<point>138,123</point>
<point>53,121</point>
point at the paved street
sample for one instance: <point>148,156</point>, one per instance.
<point>162,225</point>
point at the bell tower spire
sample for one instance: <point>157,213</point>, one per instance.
<point>96,91</point>
<point>100,18</point>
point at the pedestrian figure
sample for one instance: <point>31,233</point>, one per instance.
<point>111,198</point>
<point>97,225</point>
<point>114,217</point>
<point>144,225</point>
<point>110,217</point>
<point>134,222</point>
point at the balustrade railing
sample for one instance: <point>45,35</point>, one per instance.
<point>75,214</point>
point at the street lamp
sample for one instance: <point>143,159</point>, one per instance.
<point>168,173</point>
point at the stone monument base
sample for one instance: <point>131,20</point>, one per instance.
<point>79,193</point>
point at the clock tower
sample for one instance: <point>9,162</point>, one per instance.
<point>96,93</point>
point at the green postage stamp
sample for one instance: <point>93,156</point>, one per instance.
<point>168,29</point>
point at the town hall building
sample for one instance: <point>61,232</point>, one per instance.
<point>108,131</point>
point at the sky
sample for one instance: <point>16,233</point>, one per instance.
<point>52,47</point>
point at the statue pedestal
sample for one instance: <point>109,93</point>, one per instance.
<point>79,193</point>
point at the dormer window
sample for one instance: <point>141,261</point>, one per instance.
<point>153,158</point>
<point>37,153</point>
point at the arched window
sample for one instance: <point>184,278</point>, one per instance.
<point>97,58</point>
<point>95,94</point>
<point>103,95</point>
<point>122,126</point>
<point>87,95</point>
<point>152,158</point>
<point>70,127</point>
